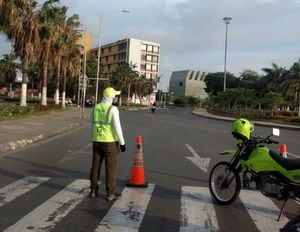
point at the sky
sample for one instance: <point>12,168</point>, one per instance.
<point>191,33</point>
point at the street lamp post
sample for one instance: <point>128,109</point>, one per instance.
<point>82,86</point>
<point>84,75</point>
<point>102,18</point>
<point>227,21</point>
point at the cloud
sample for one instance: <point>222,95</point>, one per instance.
<point>192,32</point>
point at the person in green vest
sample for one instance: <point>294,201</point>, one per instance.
<point>108,139</point>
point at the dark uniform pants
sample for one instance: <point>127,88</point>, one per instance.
<point>109,152</point>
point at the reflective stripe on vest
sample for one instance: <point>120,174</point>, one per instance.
<point>103,130</point>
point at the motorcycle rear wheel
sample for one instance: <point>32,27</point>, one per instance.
<point>224,184</point>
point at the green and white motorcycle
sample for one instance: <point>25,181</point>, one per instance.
<point>253,162</point>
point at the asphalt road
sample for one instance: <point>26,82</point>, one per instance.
<point>173,143</point>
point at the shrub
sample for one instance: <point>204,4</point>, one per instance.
<point>12,111</point>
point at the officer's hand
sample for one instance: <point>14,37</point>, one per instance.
<point>123,148</point>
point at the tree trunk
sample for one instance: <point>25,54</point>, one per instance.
<point>63,100</point>
<point>23,99</point>
<point>56,97</point>
<point>45,77</point>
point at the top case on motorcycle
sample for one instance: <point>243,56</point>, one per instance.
<point>288,164</point>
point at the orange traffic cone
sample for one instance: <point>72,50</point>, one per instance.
<point>137,178</point>
<point>283,150</point>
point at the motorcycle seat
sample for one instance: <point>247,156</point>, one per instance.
<point>288,164</point>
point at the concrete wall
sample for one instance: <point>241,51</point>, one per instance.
<point>188,83</point>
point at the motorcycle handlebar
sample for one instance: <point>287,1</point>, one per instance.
<point>273,141</point>
<point>267,140</point>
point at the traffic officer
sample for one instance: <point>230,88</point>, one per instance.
<point>108,138</point>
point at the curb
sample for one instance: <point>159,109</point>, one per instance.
<point>267,124</point>
<point>14,145</point>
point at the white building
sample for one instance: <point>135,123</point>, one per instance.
<point>188,83</point>
<point>140,53</point>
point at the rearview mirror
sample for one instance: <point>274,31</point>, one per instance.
<point>276,132</point>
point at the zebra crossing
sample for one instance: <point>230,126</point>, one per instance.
<point>197,210</point>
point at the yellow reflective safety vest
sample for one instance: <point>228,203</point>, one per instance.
<point>103,130</point>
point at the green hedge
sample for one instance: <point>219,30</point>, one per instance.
<point>13,111</point>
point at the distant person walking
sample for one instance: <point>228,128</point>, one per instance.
<point>108,138</point>
<point>153,107</point>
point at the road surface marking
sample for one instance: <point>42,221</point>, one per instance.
<point>20,187</point>
<point>202,163</point>
<point>262,210</point>
<point>197,210</point>
<point>48,214</point>
<point>127,213</point>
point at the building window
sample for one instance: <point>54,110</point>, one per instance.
<point>115,56</point>
<point>122,46</point>
<point>148,67</point>
<point>109,49</point>
<point>144,47</point>
<point>108,67</point>
<point>180,83</point>
<point>155,59</point>
<point>149,58</point>
<point>122,56</point>
<point>143,57</point>
<point>149,48</point>
<point>155,49</point>
<point>143,67</point>
<point>154,67</point>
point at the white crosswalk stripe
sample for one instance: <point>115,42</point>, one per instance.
<point>197,211</point>
<point>127,213</point>
<point>262,210</point>
<point>20,187</point>
<point>45,217</point>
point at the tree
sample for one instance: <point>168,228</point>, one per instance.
<point>8,67</point>
<point>19,22</point>
<point>50,18</point>
<point>249,79</point>
<point>71,51</point>
<point>215,82</point>
<point>123,76</point>
<point>292,84</point>
<point>273,99</point>
<point>274,78</point>
<point>58,48</point>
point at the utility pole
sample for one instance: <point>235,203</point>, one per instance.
<point>227,21</point>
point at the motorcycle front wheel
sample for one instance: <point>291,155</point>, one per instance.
<point>224,183</point>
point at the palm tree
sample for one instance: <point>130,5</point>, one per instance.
<point>8,67</point>
<point>58,48</point>
<point>50,18</point>
<point>274,78</point>
<point>123,76</point>
<point>70,50</point>
<point>292,84</point>
<point>19,22</point>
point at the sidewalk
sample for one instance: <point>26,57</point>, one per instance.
<point>15,134</point>
<point>203,113</point>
